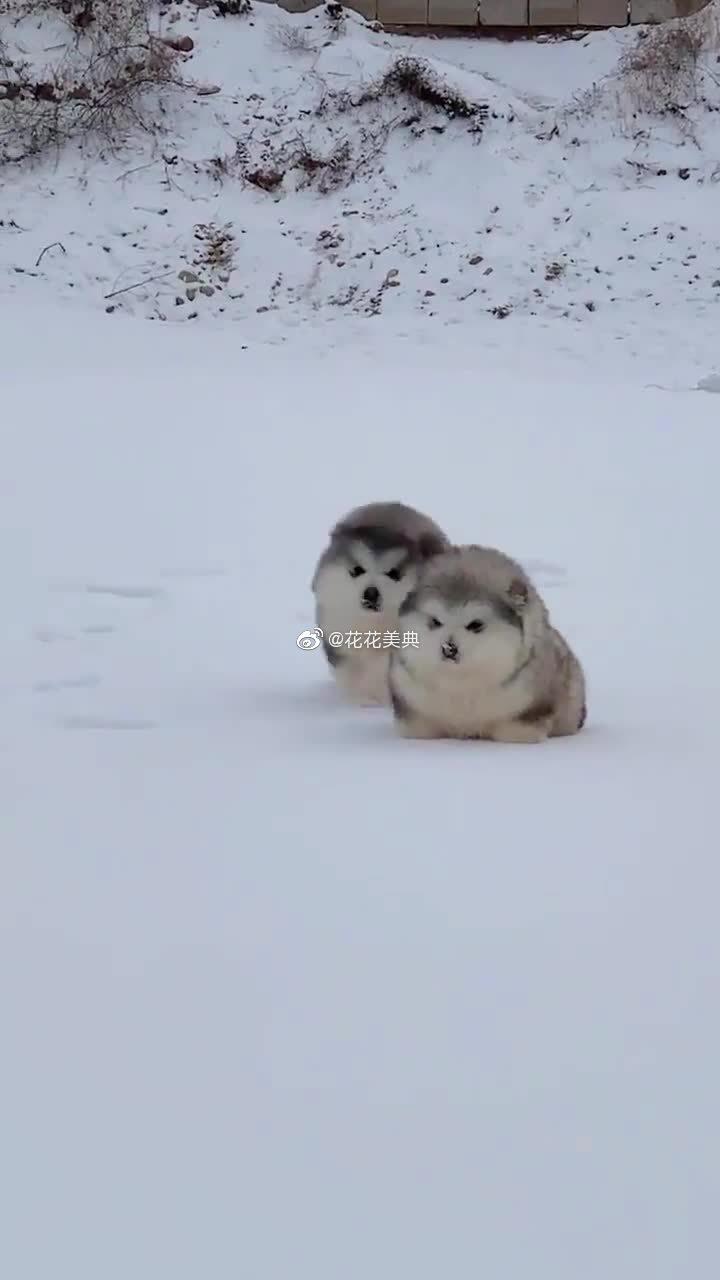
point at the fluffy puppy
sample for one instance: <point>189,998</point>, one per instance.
<point>488,662</point>
<point>371,562</point>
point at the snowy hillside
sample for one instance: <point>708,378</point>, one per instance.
<point>284,996</point>
<point>313,182</point>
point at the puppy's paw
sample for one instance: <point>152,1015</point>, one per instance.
<point>520,731</point>
<point>369,700</point>
<point>410,727</point>
<point>363,688</point>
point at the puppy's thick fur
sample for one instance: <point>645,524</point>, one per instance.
<point>371,562</point>
<point>488,662</point>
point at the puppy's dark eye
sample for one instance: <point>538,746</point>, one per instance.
<point>394,574</point>
<point>476,626</point>
<point>357,571</point>
<point>433,623</point>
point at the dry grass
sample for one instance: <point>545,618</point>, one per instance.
<point>105,84</point>
<point>233,8</point>
<point>323,171</point>
<point>216,246</point>
<point>293,39</point>
<point>662,71</point>
<point>670,73</point>
<point>325,154</point>
<point>414,79</point>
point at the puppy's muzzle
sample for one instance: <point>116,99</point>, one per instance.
<point>371,599</point>
<point>450,651</point>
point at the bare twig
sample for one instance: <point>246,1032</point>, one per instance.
<point>104,87</point>
<point>138,168</point>
<point>55,245</point>
<point>138,284</point>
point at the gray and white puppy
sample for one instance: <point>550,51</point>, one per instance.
<point>370,564</point>
<point>488,662</point>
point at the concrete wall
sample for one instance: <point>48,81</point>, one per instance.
<point>511,13</point>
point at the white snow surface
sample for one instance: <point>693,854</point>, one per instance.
<point>285,996</point>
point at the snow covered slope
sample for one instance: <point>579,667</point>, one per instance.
<point>284,996</point>
<point>298,193</point>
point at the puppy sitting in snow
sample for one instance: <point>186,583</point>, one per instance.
<point>488,662</point>
<point>362,577</point>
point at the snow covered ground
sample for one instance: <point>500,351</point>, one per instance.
<point>283,996</point>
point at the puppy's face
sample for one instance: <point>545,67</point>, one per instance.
<point>366,584</point>
<point>478,638</point>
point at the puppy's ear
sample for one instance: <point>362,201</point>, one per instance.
<point>518,593</point>
<point>429,545</point>
<point>409,604</point>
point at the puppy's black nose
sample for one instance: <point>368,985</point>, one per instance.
<point>371,596</point>
<point>449,650</point>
